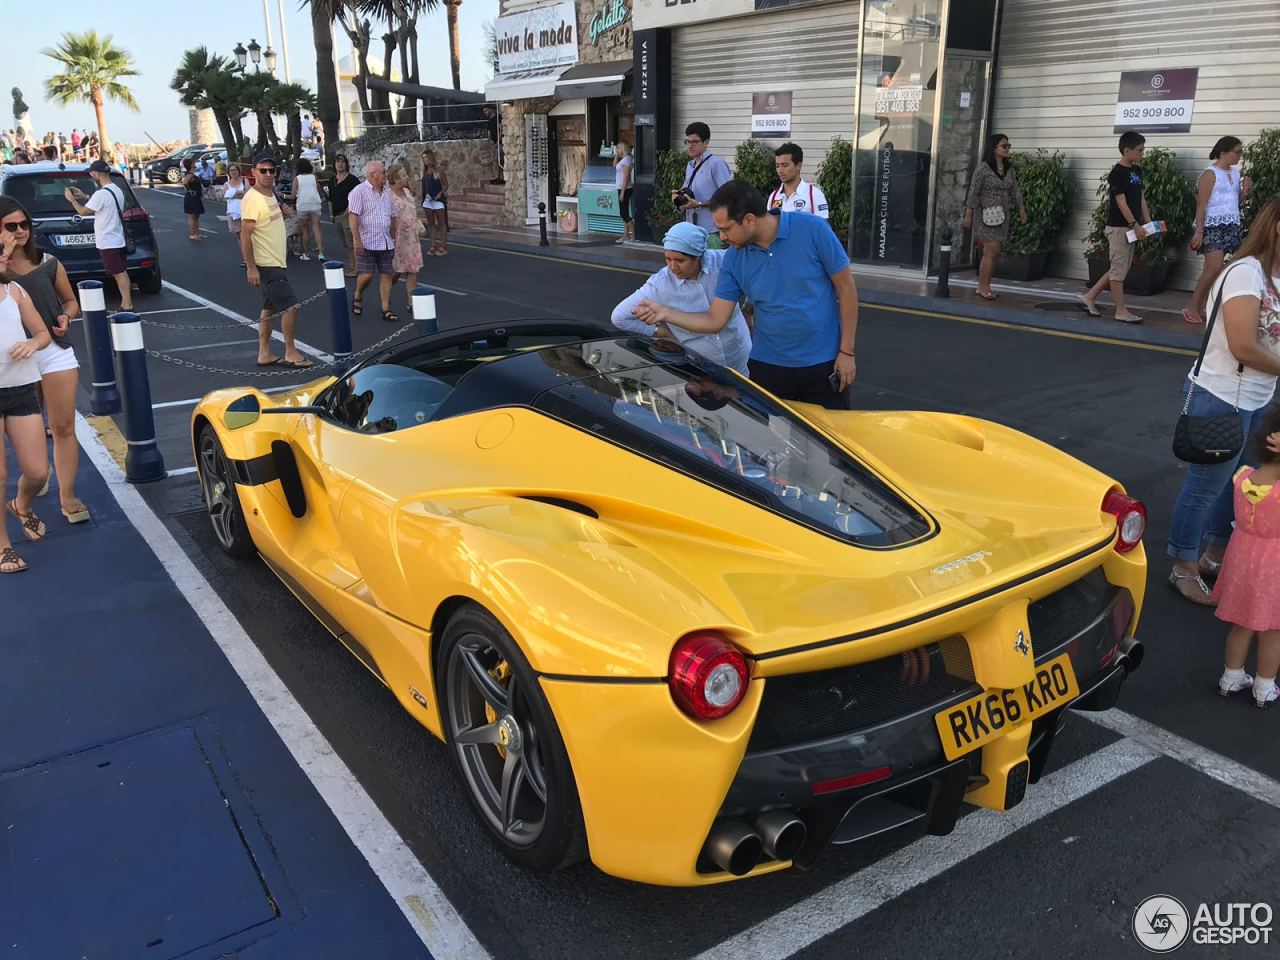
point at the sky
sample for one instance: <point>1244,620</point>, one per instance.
<point>156,34</point>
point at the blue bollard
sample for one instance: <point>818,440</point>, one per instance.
<point>339,319</point>
<point>104,395</point>
<point>424,310</point>
<point>142,462</point>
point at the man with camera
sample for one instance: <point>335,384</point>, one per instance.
<point>703,176</point>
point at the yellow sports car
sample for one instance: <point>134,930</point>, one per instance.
<point>663,619</point>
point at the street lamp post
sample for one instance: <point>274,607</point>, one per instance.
<point>255,53</point>
<point>241,55</point>
<point>270,57</point>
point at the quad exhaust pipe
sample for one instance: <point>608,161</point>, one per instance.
<point>1130,654</point>
<point>738,847</point>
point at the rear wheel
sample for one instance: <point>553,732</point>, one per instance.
<point>150,282</point>
<point>226,516</point>
<point>172,175</point>
<point>506,745</point>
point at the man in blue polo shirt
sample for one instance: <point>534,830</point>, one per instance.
<point>794,271</point>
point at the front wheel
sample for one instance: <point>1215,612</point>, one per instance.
<point>226,516</point>
<point>507,747</point>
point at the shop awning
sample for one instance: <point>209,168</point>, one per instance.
<point>524,85</point>
<point>593,80</point>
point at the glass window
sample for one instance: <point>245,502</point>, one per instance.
<point>41,194</point>
<point>384,397</point>
<point>702,421</point>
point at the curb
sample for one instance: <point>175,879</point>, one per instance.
<point>871,296</point>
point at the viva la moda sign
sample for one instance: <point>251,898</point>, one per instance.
<point>614,15</point>
<point>536,38</point>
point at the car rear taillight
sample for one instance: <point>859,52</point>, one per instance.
<point>707,675</point>
<point>137,214</point>
<point>1131,519</point>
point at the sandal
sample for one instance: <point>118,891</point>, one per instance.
<point>357,306</point>
<point>33,527</point>
<point>1090,308</point>
<point>1200,594</point>
<point>10,562</point>
<point>986,296</point>
<point>77,514</point>
<point>1209,567</point>
<point>390,317</point>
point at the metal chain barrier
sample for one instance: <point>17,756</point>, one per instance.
<point>250,324</point>
<point>287,371</point>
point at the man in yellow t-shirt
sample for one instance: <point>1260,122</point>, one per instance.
<point>262,244</point>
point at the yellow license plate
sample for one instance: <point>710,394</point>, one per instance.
<point>992,714</point>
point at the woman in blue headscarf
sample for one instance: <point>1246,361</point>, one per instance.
<point>688,283</point>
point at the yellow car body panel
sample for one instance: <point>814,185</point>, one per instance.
<point>400,525</point>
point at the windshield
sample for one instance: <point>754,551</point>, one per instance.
<point>42,193</point>
<point>702,420</point>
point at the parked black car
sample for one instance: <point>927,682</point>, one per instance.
<point>68,236</point>
<point>169,169</point>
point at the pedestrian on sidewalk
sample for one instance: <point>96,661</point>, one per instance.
<point>704,174</point>
<point>1246,591</point>
<point>45,281</point>
<point>305,194</point>
<point>993,190</point>
<point>262,244</point>
<point>339,190</point>
<point>1125,203</point>
<point>433,193</point>
<point>106,207</point>
<point>624,168</point>
<point>795,271</point>
<point>795,194</point>
<point>373,214</point>
<point>192,198</point>
<point>407,260</point>
<point>688,282</point>
<point>1219,191</point>
<point>235,191</point>
<point>1238,374</point>
<point>22,333</point>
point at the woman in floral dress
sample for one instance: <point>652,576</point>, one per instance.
<point>992,192</point>
<point>408,256</point>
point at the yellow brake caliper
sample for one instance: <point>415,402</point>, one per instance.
<point>500,672</point>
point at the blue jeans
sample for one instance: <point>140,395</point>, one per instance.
<point>1206,504</point>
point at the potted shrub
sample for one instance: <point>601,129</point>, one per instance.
<point>1046,191</point>
<point>753,162</point>
<point>1170,195</point>
<point>1261,164</point>
<point>833,178</point>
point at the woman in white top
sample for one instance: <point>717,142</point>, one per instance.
<point>236,186</point>
<point>1238,374</point>
<point>624,166</point>
<point>1218,194</point>
<point>22,333</point>
<point>306,197</point>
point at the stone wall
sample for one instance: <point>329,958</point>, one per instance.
<point>613,43</point>
<point>469,163</point>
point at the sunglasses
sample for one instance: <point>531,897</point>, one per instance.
<point>20,225</point>
<point>268,170</point>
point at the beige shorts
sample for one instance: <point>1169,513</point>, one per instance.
<point>1121,252</point>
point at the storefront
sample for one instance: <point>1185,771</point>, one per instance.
<point>565,88</point>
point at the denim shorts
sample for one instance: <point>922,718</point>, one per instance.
<point>20,401</point>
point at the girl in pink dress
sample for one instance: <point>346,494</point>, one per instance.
<point>1248,587</point>
<point>407,260</point>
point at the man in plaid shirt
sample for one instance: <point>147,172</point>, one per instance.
<point>371,212</point>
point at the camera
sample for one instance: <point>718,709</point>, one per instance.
<point>682,196</point>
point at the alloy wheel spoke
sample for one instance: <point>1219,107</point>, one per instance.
<point>492,691</point>
<point>513,777</point>
<point>488,733</point>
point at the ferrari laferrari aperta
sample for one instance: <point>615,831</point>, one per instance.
<point>666,621</point>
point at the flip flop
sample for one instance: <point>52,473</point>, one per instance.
<point>1092,311</point>
<point>270,363</point>
<point>33,527</point>
<point>987,296</point>
<point>298,364</point>
<point>79,515</point>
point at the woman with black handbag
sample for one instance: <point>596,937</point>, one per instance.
<point>1231,383</point>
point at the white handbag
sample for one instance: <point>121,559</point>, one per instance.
<point>993,216</point>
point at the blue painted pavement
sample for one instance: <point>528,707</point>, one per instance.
<point>147,806</point>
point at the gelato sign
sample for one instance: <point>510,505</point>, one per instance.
<point>537,39</point>
<point>615,14</point>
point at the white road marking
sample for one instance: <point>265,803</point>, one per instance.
<point>209,346</point>
<point>226,312</point>
<point>804,923</point>
<point>194,400</point>
<point>180,471</point>
<point>423,904</point>
<point>1230,772</point>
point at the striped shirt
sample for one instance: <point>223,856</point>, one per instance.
<point>730,347</point>
<point>376,211</point>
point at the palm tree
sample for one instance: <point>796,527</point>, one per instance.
<point>258,90</point>
<point>224,92</point>
<point>455,54</point>
<point>94,67</point>
<point>192,80</point>
<point>328,108</point>
<point>290,99</point>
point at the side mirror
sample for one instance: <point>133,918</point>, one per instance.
<point>242,412</point>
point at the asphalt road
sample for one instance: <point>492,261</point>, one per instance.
<point>1064,885</point>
